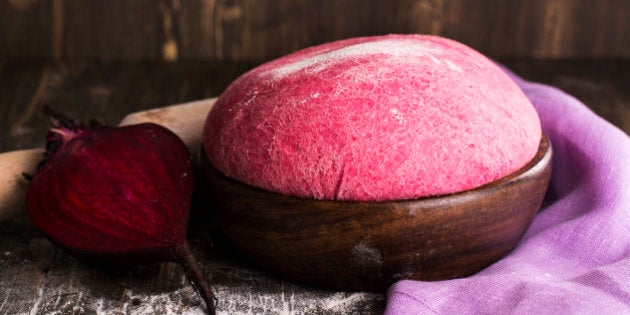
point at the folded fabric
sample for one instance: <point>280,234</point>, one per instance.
<point>575,257</point>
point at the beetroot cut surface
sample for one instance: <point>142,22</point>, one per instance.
<point>116,196</point>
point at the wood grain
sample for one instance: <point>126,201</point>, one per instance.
<point>37,277</point>
<point>26,29</point>
<point>600,84</point>
<point>105,92</point>
<point>371,245</point>
<point>108,30</point>
<point>240,30</point>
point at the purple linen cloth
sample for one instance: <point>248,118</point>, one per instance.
<point>575,257</point>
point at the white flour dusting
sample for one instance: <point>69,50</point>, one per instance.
<point>6,298</point>
<point>166,303</point>
<point>396,114</point>
<point>390,47</point>
<point>292,302</point>
<point>453,66</point>
<point>70,288</point>
<point>38,300</point>
<point>342,301</point>
<point>366,256</point>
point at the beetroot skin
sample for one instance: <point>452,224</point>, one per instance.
<point>116,195</point>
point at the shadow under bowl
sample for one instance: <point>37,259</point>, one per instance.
<point>370,245</point>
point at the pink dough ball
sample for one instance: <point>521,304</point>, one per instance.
<point>373,118</point>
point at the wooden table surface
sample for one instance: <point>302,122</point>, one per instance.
<point>37,278</point>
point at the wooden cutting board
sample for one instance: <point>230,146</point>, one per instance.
<point>36,278</point>
<point>186,120</point>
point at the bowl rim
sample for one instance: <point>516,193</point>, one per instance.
<point>247,230</point>
<point>543,154</point>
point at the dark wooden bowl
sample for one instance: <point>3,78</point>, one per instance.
<point>370,245</point>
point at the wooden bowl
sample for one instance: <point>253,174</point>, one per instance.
<point>370,245</point>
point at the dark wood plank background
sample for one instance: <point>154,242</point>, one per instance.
<point>237,30</point>
<point>105,58</point>
<point>37,278</point>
